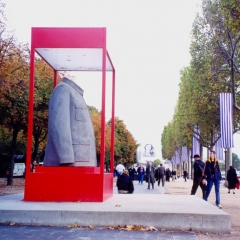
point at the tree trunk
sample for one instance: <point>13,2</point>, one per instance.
<point>13,149</point>
<point>35,151</point>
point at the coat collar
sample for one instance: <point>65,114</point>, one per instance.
<point>215,161</point>
<point>73,84</point>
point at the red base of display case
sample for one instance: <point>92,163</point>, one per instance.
<point>68,184</point>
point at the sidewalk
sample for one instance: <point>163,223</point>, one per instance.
<point>230,203</point>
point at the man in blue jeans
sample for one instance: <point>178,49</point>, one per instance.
<point>212,175</point>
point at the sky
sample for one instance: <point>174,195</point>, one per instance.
<point>148,42</point>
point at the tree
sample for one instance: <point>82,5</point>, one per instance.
<point>14,72</point>
<point>125,145</point>
<point>156,163</point>
<point>208,75</point>
<point>235,161</point>
<point>96,120</point>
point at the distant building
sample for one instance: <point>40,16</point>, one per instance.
<point>146,153</point>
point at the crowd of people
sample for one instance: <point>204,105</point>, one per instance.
<point>126,176</point>
<point>205,175</point>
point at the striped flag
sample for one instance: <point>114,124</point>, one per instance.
<point>173,160</point>
<point>184,154</point>
<point>195,142</point>
<point>177,157</point>
<point>218,148</point>
<point>226,120</point>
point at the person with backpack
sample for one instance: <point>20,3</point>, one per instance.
<point>198,167</point>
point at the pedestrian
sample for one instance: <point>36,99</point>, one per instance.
<point>185,173</point>
<point>198,167</point>
<point>232,179</point>
<point>150,175</point>
<point>141,173</point>
<point>161,174</point>
<point>174,175</point>
<point>119,168</point>
<point>168,174</point>
<point>212,175</point>
<point>124,183</point>
<point>132,172</point>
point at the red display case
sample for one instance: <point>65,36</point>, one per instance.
<point>71,49</point>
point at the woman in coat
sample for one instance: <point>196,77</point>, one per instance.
<point>232,179</point>
<point>124,183</point>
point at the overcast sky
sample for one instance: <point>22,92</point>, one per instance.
<point>148,42</point>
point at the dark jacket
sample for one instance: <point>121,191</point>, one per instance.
<point>160,171</point>
<point>124,182</point>
<point>198,167</point>
<point>231,178</point>
<point>132,172</point>
<point>211,168</point>
<point>150,174</point>
<point>168,173</point>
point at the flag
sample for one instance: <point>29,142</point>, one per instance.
<point>195,142</point>
<point>184,154</point>
<point>177,157</point>
<point>218,148</point>
<point>226,120</point>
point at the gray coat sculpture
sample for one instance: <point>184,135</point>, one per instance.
<point>71,139</point>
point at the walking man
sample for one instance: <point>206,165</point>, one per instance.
<point>198,167</point>
<point>132,172</point>
<point>150,175</point>
<point>185,175</point>
<point>119,168</point>
<point>161,174</point>
<point>168,174</point>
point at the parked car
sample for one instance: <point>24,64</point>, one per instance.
<point>223,176</point>
<point>19,170</point>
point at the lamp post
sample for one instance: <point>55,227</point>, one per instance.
<point>225,156</point>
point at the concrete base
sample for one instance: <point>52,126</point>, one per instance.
<point>163,211</point>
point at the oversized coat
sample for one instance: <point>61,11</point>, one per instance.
<point>71,139</point>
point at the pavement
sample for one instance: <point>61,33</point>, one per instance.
<point>149,207</point>
<point>64,233</point>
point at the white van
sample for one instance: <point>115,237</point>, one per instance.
<point>19,169</point>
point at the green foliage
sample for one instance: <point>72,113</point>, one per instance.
<point>156,163</point>
<point>214,69</point>
<point>125,145</point>
<point>235,161</point>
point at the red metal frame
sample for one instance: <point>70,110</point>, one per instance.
<point>86,184</point>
